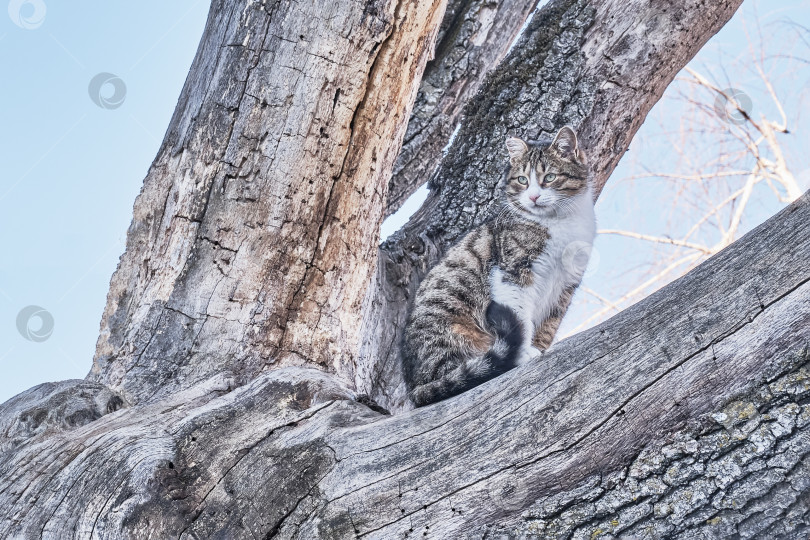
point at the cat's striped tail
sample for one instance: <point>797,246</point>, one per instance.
<point>502,357</point>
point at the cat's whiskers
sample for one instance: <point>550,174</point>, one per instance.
<point>566,207</point>
<point>506,211</point>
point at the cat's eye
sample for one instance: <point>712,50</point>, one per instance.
<point>523,181</point>
<point>550,177</point>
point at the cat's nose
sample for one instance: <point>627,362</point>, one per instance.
<point>534,197</point>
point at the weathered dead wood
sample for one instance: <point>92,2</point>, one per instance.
<point>473,38</point>
<point>608,434</point>
<point>254,238</point>
<point>598,66</point>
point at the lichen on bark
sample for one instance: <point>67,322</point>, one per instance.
<point>738,472</point>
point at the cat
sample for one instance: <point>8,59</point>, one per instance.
<point>498,296</point>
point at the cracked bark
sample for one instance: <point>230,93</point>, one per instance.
<point>685,416</point>
<point>253,239</point>
<point>223,399</point>
<point>473,38</point>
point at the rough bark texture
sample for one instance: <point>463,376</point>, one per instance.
<point>685,416</point>
<point>598,66</point>
<point>254,238</point>
<point>473,38</point>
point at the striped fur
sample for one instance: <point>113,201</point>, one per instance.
<point>497,297</point>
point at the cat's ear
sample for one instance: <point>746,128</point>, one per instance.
<point>566,143</point>
<point>516,147</point>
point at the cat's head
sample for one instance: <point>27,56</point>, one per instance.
<point>542,178</point>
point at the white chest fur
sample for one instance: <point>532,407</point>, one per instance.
<point>560,266</point>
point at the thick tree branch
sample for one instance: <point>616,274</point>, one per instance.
<point>473,38</point>
<point>684,415</point>
<point>254,238</point>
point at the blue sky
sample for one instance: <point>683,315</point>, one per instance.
<point>72,168</point>
<point>683,135</point>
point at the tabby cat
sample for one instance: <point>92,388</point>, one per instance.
<point>497,298</point>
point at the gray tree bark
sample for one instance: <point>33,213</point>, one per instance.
<point>473,37</point>
<point>240,328</point>
<point>685,416</point>
<point>254,237</point>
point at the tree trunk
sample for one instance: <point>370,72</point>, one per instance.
<point>254,238</point>
<point>685,416</point>
<point>240,326</point>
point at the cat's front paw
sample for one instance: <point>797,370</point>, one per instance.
<point>536,353</point>
<point>530,354</point>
